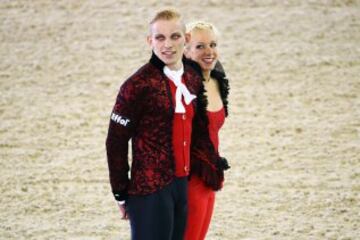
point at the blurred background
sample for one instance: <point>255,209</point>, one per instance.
<point>292,136</point>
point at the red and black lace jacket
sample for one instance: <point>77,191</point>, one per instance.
<point>205,161</point>
<point>144,112</point>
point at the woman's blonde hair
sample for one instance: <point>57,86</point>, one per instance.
<point>200,25</point>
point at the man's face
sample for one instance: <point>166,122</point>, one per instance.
<point>167,40</point>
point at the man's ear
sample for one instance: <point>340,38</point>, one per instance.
<point>187,45</point>
<point>149,40</point>
<point>187,38</point>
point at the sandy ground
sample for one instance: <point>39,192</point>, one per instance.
<point>293,136</point>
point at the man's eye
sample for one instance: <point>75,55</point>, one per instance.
<point>159,38</point>
<point>175,36</point>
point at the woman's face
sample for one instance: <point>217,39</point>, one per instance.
<point>203,48</point>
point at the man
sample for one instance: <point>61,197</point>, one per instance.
<point>154,108</point>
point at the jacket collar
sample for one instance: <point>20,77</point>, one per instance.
<point>154,60</point>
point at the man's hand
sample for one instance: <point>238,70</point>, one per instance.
<point>122,208</point>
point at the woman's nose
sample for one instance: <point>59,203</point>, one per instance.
<point>208,50</point>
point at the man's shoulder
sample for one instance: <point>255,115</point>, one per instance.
<point>143,73</point>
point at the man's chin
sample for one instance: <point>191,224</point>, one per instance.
<point>169,61</point>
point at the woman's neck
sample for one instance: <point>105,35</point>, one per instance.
<point>206,75</point>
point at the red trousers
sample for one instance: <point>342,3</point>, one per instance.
<point>201,201</point>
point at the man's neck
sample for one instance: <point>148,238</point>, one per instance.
<point>175,67</point>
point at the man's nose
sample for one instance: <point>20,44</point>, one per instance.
<point>168,43</point>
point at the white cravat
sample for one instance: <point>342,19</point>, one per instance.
<point>181,90</point>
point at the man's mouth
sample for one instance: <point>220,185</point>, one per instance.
<point>168,53</point>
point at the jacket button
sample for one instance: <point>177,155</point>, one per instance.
<point>186,169</point>
<point>185,143</point>
<point>183,116</point>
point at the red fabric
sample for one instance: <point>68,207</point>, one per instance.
<point>201,198</point>
<point>201,201</point>
<point>182,125</point>
<point>216,120</point>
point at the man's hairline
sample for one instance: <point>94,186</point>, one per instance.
<point>183,25</point>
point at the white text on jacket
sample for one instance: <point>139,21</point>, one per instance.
<point>119,119</point>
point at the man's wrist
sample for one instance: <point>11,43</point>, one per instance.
<point>120,195</point>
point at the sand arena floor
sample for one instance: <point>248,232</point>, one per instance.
<point>293,135</point>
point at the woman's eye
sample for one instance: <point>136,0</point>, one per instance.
<point>213,45</point>
<point>200,46</point>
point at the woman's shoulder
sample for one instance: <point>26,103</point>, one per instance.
<point>219,74</point>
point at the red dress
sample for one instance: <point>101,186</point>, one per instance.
<point>201,199</point>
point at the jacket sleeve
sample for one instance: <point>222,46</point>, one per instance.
<point>121,128</point>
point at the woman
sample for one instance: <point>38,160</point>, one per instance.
<point>206,170</point>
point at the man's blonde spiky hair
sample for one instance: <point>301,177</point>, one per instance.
<point>168,14</point>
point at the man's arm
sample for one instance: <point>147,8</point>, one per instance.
<point>121,127</point>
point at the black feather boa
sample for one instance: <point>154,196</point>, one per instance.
<point>205,160</point>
